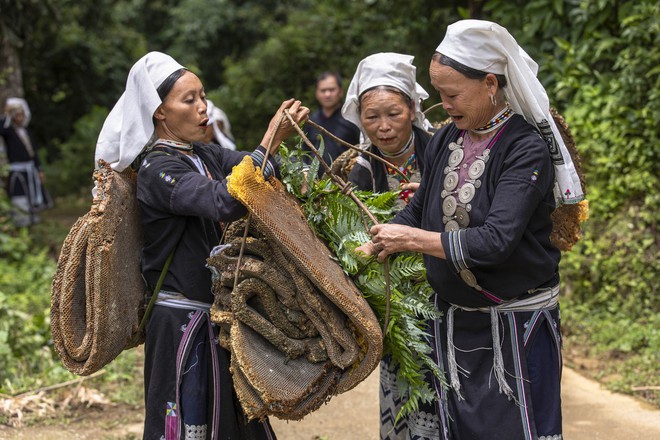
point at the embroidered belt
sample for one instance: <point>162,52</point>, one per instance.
<point>545,298</point>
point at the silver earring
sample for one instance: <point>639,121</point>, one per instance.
<point>493,100</point>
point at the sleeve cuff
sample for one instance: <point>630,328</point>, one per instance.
<point>456,251</point>
<point>258,160</point>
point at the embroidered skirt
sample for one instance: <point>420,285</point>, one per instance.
<point>189,392</point>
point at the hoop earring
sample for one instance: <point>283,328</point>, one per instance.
<point>493,100</point>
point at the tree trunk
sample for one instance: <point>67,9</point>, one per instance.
<point>11,76</point>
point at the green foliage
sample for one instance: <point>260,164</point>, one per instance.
<point>26,356</point>
<point>319,36</point>
<point>338,220</point>
<point>73,170</point>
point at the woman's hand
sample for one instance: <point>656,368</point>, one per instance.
<point>280,127</point>
<point>391,238</point>
<point>410,186</point>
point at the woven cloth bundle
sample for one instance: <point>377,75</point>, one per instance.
<point>97,296</point>
<point>298,329</point>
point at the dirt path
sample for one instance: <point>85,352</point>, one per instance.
<point>590,413</point>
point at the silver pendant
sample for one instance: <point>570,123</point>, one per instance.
<point>462,217</point>
<point>453,146</point>
<point>469,279</point>
<point>451,180</point>
<point>449,206</point>
<point>476,169</point>
<point>451,226</point>
<point>455,158</point>
<point>466,193</point>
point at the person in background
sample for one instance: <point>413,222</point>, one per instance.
<point>219,131</point>
<point>384,101</point>
<point>481,217</point>
<point>159,124</point>
<point>25,181</point>
<point>329,94</point>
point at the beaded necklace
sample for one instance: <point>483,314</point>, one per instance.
<point>402,151</point>
<point>174,144</point>
<point>494,123</point>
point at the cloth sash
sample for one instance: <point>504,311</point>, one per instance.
<point>33,182</point>
<point>541,299</point>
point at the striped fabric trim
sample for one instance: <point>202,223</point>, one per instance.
<point>215,362</point>
<point>458,253</point>
<point>178,301</point>
<point>442,406</point>
<point>522,397</point>
<point>258,159</point>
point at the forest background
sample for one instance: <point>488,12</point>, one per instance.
<point>599,61</point>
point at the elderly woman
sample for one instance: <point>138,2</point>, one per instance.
<point>383,100</point>
<point>182,192</point>
<point>25,180</point>
<point>481,217</point>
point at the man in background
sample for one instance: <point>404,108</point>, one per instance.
<point>329,94</point>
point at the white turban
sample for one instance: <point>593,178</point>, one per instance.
<point>129,126</point>
<point>13,103</point>
<point>385,69</point>
<point>489,47</point>
<point>216,115</point>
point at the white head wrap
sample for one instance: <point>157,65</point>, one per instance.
<point>18,102</point>
<point>385,69</point>
<point>129,126</point>
<point>216,115</point>
<point>489,47</point>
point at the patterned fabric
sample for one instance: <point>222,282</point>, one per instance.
<point>422,425</point>
<point>408,169</point>
<point>195,432</point>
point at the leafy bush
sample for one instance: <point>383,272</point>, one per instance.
<point>72,172</point>
<point>26,356</point>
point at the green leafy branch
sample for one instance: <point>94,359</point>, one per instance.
<point>338,220</point>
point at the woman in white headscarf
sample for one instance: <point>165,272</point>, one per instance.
<point>481,217</point>
<point>219,128</point>
<point>384,101</point>
<point>25,180</point>
<point>182,192</point>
